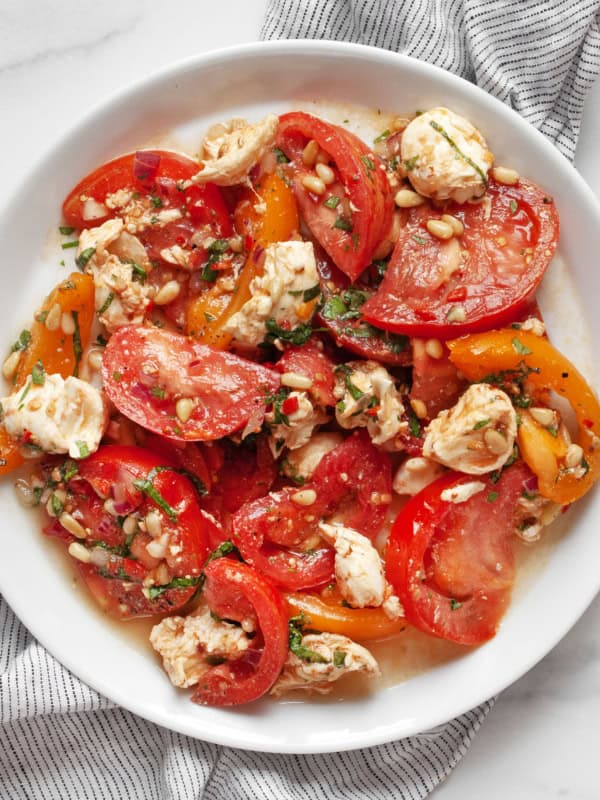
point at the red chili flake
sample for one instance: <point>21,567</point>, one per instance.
<point>589,423</point>
<point>27,437</point>
<point>565,508</point>
<point>424,313</point>
<point>289,405</point>
<point>372,412</point>
<point>458,294</point>
<point>248,242</point>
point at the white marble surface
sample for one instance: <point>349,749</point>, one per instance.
<point>57,60</point>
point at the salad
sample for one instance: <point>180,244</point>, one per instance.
<point>297,395</point>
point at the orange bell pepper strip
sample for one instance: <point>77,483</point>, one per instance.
<point>481,354</point>
<point>209,312</point>
<point>330,615</point>
<point>59,352</point>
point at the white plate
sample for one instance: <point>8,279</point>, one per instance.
<point>247,81</point>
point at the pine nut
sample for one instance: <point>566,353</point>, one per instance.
<point>545,416</point>
<point>60,497</point>
<point>10,365</point>
<point>109,507</point>
<point>434,348</point>
<point>79,552</point>
<point>167,293</point>
<point>406,198</point>
<point>456,314</point>
<point>495,442</point>
<point>157,548</point>
<point>184,408</point>
<point>574,456</point>
<point>326,174</point>
<point>236,244</point>
<point>419,407</point>
<point>162,574</point>
<point>310,153</point>
<point>25,492</point>
<point>305,497</point>
<point>416,464</point>
<point>454,223</point>
<point>439,229</point>
<point>505,175</point>
<point>129,525</point>
<point>153,524</point>
<point>313,184</point>
<point>94,360</point>
<point>53,316</point>
<point>296,381</point>
<point>67,324</point>
<point>70,524</point>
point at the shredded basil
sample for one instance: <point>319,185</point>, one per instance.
<point>481,424</point>
<point>22,342</point>
<point>146,486</point>
<point>454,604</point>
<point>83,257</point>
<point>68,245</point>
<point>155,592</point>
<point>66,230</point>
<point>438,128</point>
<point>281,156</point>
<point>343,224</point>
<point>38,373</point>
<point>382,136</point>
<point>77,346</point>
<point>520,348</point>
<point>332,202</point>
<point>296,646</point>
<point>298,335</point>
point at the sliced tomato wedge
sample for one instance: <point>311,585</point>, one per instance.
<point>435,381</point>
<point>353,481</point>
<point>342,315</point>
<point>125,578</point>
<point>148,371</point>
<point>351,217</point>
<point>311,361</point>
<point>230,586</point>
<point>481,279</point>
<point>452,564</point>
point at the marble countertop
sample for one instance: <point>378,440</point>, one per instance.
<point>59,60</point>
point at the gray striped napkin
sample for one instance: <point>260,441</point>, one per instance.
<point>62,740</point>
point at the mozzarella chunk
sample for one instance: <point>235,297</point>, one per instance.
<point>303,461</point>
<point>476,435</point>
<point>289,270</point>
<point>533,514</point>
<point>358,566</point>
<point>363,386</point>
<point>61,416</point>
<point>319,676</point>
<point>139,212</point>
<point>232,150</point>
<point>99,239</point>
<point>462,492</point>
<point>185,644</point>
<point>445,156</point>
<point>415,474</point>
<point>302,423</point>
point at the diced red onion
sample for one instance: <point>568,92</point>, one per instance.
<point>531,484</point>
<point>145,165</point>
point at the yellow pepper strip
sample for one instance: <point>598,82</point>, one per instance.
<point>277,224</point>
<point>482,354</point>
<point>59,352</point>
<point>541,451</point>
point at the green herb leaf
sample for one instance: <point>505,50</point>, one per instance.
<point>300,650</point>
<point>281,156</point>
<point>411,163</point>
<point>368,162</point>
<point>492,497</point>
<point>334,307</point>
<point>38,373</point>
<point>84,450</point>
<point>146,486</point>
<point>332,202</point>
<point>69,245</point>
<point>339,657</point>
<point>298,335</point>
<point>156,201</point>
<point>454,604</point>
<point>68,469</point>
<point>343,224</point>
<point>177,583</point>
<point>520,348</point>
<point>419,239</point>
<point>513,206</point>
<point>437,127</point>
<point>77,346</point>
<point>66,230</point>
<point>22,342</point>
<point>481,424</point>
<point>158,391</point>
<point>56,505</point>
<point>382,136</point>
<point>414,424</point>
<point>83,257</point>
<point>106,304</point>
<point>310,294</point>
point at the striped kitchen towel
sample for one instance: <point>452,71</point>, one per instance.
<point>538,56</point>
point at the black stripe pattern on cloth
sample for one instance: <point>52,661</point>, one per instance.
<point>61,739</point>
<point>538,56</point>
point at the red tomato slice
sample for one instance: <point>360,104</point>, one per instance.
<point>126,579</point>
<point>435,381</point>
<point>146,371</point>
<point>230,584</point>
<point>452,564</point>
<point>353,480</point>
<point>480,280</point>
<point>311,361</point>
<point>351,228</point>
<point>342,315</point>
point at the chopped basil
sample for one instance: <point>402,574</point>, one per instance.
<point>382,136</point>
<point>77,346</point>
<point>353,390</point>
<point>553,430</point>
<point>394,162</point>
<point>41,317</point>
<point>528,495</point>
<point>224,549</point>
<point>56,505</point>
<point>414,424</point>
<point>411,163</point>
<point>368,162</point>
<point>146,486</point>
<point>215,251</point>
<point>158,391</point>
<point>22,342</point>
<point>84,450</point>
<point>177,583</point>
<point>481,424</point>
<point>438,128</point>
<point>153,220</point>
<point>106,304</point>
<point>454,604</point>
<point>419,239</point>
<point>281,156</point>
<point>310,294</point>
<point>68,245</point>
<point>339,657</point>
<point>156,201</point>
<point>209,274</point>
<point>343,224</point>
<point>68,469</point>
<point>492,497</point>
<point>66,230</point>
<point>585,466</point>
<point>83,257</point>
<point>334,307</point>
<point>332,202</point>
<point>38,373</point>
<point>296,646</point>
<point>520,348</point>
<point>277,400</point>
<point>513,206</point>
<point>138,273</point>
<point>298,335</point>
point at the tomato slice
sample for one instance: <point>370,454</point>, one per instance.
<point>230,584</point>
<point>350,219</point>
<point>311,361</point>
<point>482,279</point>
<point>342,315</point>
<point>452,564</point>
<point>435,381</point>
<point>353,480</point>
<point>148,371</point>
<point>125,578</point>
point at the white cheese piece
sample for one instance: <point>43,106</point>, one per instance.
<point>232,150</point>
<point>62,416</point>
<point>303,461</point>
<point>302,423</point>
<point>476,435</point>
<point>185,642</point>
<point>364,385</point>
<point>462,492</point>
<point>341,657</point>
<point>139,212</point>
<point>119,299</point>
<point>99,239</point>
<point>415,474</point>
<point>445,156</point>
<point>358,566</point>
<point>289,270</point>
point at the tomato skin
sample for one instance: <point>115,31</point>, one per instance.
<point>227,389</point>
<point>251,676</point>
<point>311,361</point>
<point>507,257</point>
<point>442,558</point>
<point>358,176</point>
<point>117,583</point>
<point>435,381</point>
